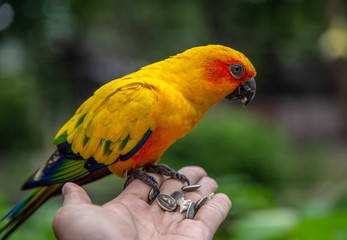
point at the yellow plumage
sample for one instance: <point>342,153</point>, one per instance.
<point>168,97</point>
<point>117,111</point>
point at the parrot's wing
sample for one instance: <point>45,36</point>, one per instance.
<point>112,122</point>
<point>110,126</point>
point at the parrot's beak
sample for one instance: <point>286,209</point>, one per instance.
<point>245,92</point>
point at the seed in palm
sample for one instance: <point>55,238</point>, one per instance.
<point>201,202</point>
<point>166,202</point>
<point>191,211</point>
<point>192,187</point>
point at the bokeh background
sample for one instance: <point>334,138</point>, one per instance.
<point>281,160</point>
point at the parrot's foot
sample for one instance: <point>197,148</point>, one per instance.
<point>144,177</point>
<point>167,171</point>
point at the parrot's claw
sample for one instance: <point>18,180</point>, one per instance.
<point>167,171</point>
<point>144,177</point>
<point>151,181</point>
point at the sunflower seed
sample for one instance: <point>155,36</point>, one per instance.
<point>244,100</point>
<point>183,208</point>
<point>166,202</point>
<point>191,211</point>
<point>210,196</point>
<point>200,202</point>
<point>180,201</point>
<point>177,195</point>
<point>152,194</point>
<point>184,205</point>
<point>191,187</point>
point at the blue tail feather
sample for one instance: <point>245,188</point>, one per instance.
<point>60,169</point>
<point>25,208</point>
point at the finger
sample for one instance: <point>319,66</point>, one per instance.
<point>140,189</point>
<point>194,173</point>
<point>208,186</point>
<point>74,194</point>
<point>213,213</point>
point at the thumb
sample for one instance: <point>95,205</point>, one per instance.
<point>74,194</point>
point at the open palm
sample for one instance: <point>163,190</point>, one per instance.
<point>129,216</point>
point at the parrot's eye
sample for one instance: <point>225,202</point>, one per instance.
<point>237,70</point>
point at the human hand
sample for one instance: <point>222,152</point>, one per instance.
<point>129,216</point>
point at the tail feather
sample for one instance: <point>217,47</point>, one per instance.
<point>26,207</point>
<point>35,199</point>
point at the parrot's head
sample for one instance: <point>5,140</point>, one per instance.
<point>220,72</point>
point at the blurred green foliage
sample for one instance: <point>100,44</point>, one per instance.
<point>18,108</point>
<point>234,142</point>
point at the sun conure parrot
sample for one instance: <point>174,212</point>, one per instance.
<point>128,123</point>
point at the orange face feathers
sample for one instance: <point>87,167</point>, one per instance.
<point>220,60</point>
<point>215,70</point>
